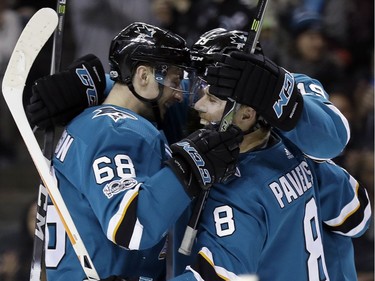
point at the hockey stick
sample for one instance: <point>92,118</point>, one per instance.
<point>32,39</point>
<point>58,37</point>
<point>229,111</point>
<point>250,45</point>
<point>192,227</point>
<point>49,135</point>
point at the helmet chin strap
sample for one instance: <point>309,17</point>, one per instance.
<point>152,102</point>
<point>260,123</point>
<point>155,107</point>
<point>259,136</point>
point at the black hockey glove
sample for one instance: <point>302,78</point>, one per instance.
<point>256,81</point>
<point>58,98</point>
<point>205,157</point>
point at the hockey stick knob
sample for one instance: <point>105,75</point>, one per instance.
<point>188,241</point>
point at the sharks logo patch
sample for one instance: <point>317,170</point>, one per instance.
<point>113,113</point>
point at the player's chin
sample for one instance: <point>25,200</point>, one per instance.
<point>204,122</point>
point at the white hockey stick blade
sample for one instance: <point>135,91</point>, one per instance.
<point>32,39</point>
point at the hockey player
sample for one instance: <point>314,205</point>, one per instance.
<point>282,213</point>
<point>110,162</point>
<point>338,247</point>
<point>269,218</point>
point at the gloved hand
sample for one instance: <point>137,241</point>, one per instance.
<point>256,81</point>
<point>56,99</point>
<point>205,157</point>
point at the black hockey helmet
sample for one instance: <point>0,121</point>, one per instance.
<point>142,42</point>
<point>218,40</point>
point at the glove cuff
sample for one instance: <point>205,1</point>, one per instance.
<point>183,172</point>
<point>287,108</point>
<point>90,78</point>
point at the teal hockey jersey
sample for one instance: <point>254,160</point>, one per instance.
<point>282,217</point>
<point>109,164</point>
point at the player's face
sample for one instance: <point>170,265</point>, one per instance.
<point>209,107</point>
<point>172,89</point>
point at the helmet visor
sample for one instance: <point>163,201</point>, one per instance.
<point>174,77</point>
<point>198,87</point>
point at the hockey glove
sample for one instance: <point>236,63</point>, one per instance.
<point>58,98</point>
<point>205,157</point>
<point>256,81</point>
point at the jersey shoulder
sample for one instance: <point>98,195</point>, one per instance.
<point>309,86</point>
<point>108,120</point>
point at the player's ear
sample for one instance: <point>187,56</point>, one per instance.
<point>144,82</point>
<point>245,117</point>
<point>142,75</point>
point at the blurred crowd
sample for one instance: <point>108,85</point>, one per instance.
<point>330,40</point>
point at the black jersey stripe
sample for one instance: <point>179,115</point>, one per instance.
<point>206,269</point>
<point>125,228</point>
<point>356,217</point>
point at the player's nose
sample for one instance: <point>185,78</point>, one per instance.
<point>178,96</point>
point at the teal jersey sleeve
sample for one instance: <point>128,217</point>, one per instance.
<point>345,204</point>
<point>346,213</point>
<point>322,131</point>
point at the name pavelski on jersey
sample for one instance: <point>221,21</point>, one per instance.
<point>292,184</point>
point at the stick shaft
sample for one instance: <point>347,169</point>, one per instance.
<point>256,27</point>
<point>191,229</point>
<point>32,39</point>
<point>49,137</point>
<point>58,37</point>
